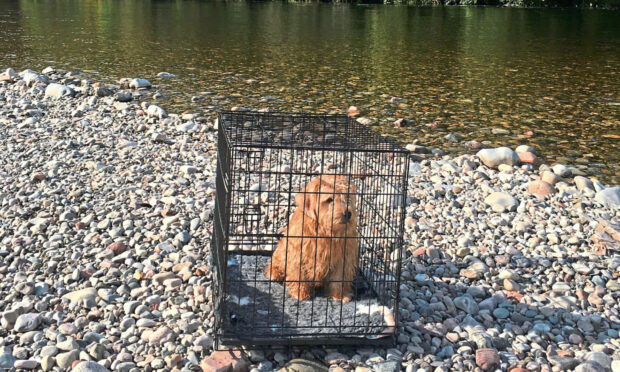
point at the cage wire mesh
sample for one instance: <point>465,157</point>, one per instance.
<point>264,161</point>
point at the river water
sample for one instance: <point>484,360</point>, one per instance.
<point>486,74</point>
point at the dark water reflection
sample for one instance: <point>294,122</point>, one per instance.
<point>555,72</point>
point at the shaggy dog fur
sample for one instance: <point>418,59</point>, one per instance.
<point>320,246</point>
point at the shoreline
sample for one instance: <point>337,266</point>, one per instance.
<point>496,4</point>
<point>450,138</point>
<point>106,221</point>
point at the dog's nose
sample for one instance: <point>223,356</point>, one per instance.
<point>347,215</point>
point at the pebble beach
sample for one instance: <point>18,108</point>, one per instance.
<point>106,205</point>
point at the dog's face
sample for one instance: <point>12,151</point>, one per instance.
<point>329,201</point>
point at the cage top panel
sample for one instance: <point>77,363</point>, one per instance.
<point>302,131</point>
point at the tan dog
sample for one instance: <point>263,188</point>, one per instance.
<point>320,248</point>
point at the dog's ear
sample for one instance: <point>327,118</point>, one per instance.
<point>306,199</point>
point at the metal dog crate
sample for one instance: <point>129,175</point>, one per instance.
<point>264,159</point>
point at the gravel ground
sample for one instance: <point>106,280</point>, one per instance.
<point>105,224</point>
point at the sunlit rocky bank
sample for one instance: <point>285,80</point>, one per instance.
<point>105,222</point>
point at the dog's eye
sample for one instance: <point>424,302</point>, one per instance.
<point>329,200</point>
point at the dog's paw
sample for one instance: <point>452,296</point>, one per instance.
<point>344,299</point>
<point>301,297</point>
<point>300,292</point>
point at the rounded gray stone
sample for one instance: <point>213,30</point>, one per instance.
<point>501,313</point>
<point>492,158</point>
<point>609,197</point>
<point>27,322</point>
<point>501,201</point>
<point>89,367</point>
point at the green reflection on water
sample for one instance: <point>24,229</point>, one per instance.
<point>469,70</point>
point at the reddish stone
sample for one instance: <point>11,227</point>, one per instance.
<point>80,226</point>
<point>225,361</point>
<point>419,251</point>
<point>527,157</point>
<point>487,358</point>
<point>529,133</point>
<point>581,294</point>
<point>564,353</point>
<point>514,294</point>
<point>39,176</point>
<point>75,363</point>
<point>86,273</point>
<point>353,111</point>
<point>117,248</point>
<point>94,314</point>
<point>502,259</point>
<point>540,187</point>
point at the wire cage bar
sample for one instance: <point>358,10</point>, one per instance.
<point>308,230</point>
